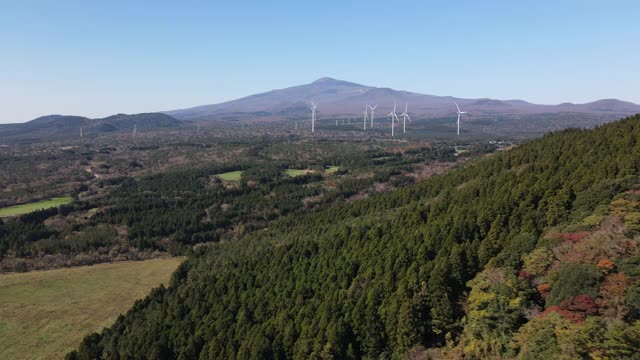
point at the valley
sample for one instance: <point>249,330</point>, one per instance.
<point>161,193</point>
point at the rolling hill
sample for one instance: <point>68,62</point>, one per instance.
<point>67,126</point>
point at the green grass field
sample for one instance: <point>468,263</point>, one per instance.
<point>230,176</point>
<point>460,149</point>
<point>27,208</point>
<point>45,314</point>
<point>297,172</point>
<point>331,169</point>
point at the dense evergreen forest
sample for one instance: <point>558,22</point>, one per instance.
<point>529,251</point>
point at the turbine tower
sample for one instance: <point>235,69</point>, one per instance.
<point>364,119</point>
<point>405,116</point>
<point>80,132</point>
<point>313,116</point>
<point>394,118</point>
<point>134,129</point>
<point>459,113</point>
<point>372,113</point>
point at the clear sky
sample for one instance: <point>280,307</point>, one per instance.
<point>96,58</point>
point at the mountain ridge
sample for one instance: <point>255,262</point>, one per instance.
<point>63,126</point>
<point>343,98</point>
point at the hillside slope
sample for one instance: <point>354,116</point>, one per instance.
<point>390,274</point>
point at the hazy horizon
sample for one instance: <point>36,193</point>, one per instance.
<point>95,60</point>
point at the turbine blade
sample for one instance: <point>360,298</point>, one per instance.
<point>457,107</point>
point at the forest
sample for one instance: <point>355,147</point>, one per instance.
<point>131,215</point>
<point>527,253</point>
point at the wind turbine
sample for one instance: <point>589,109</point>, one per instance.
<point>459,113</point>
<point>80,132</point>
<point>134,129</point>
<point>364,120</point>
<point>405,116</point>
<point>394,118</point>
<point>313,116</point>
<point>372,113</point>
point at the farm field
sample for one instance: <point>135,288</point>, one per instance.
<point>461,150</point>
<point>331,169</point>
<point>40,205</point>
<point>230,176</point>
<point>45,314</point>
<point>297,172</point>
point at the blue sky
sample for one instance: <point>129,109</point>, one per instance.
<point>96,58</point>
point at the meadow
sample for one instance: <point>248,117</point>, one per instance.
<point>39,205</point>
<point>45,314</point>
<point>230,176</point>
<point>297,172</point>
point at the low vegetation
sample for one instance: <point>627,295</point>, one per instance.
<point>46,314</point>
<point>39,205</point>
<point>230,176</point>
<point>298,172</point>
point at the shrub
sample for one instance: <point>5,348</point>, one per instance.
<point>572,280</point>
<point>537,262</point>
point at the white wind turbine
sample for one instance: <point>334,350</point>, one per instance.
<point>364,119</point>
<point>459,113</point>
<point>405,116</point>
<point>372,113</point>
<point>394,118</point>
<point>313,116</point>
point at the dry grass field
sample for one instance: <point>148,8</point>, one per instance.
<point>45,314</point>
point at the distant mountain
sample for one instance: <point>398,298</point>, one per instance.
<point>338,98</point>
<point>64,126</point>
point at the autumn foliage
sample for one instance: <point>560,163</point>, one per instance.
<point>574,309</point>
<point>573,237</point>
<point>605,265</point>
<point>523,275</point>
<point>543,289</point>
